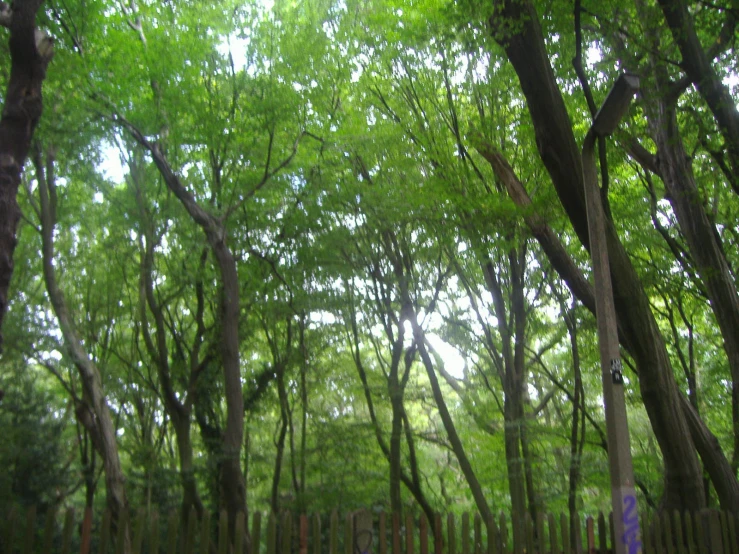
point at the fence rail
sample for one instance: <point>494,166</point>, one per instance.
<point>363,532</point>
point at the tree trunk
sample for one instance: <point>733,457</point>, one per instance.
<point>30,53</point>
<point>232,486</point>
<point>700,234</point>
<point>697,64</point>
<point>451,431</point>
<point>190,496</point>
<point>92,411</point>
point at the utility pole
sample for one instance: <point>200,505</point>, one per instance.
<point>623,493</point>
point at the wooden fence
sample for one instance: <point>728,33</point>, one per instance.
<point>364,533</point>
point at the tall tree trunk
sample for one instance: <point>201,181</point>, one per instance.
<point>396,403</point>
<point>190,496</point>
<point>515,26</point>
<point>700,234</point>
<point>233,488</point>
<point>577,436</point>
<point>30,53</point>
<point>446,418</point>
<point>92,411</point>
<point>280,442</point>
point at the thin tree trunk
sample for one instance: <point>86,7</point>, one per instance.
<point>577,435</point>
<point>446,419</point>
<point>280,442</point>
<point>700,235</point>
<point>92,411</point>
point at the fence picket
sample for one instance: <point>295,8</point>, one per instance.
<point>334,534</point>
<point>466,533</point>
<point>10,529</point>
<point>553,544</point>
<point>271,533</point>
<point>423,536</point>
<point>303,534</point>
<point>49,529</point>
<point>689,527</point>
<point>667,533</point>
<point>518,533</point>
<point>138,535</point>
<point>317,534</point>
<point>590,534</point>
<point>438,534</point>
<point>478,534</point>
<point>503,529</point>
<point>529,531</point>
<point>396,533</point>
<point>256,535</point>
<point>451,534</point>
<point>67,531</point>
<point>646,535</point>
<point>348,535</point>
<point>576,538</point>
<point>30,530</point>
<point>223,533</point>
<point>540,537</point>
<point>122,531</point>
<point>409,534</point>
<point>701,536</point>
<point>678,528</point>
<point>105,532</point>
<point>565,531</point>
<point>382,533</point>
<point>287,533</point>
<point>239,533</point>
<point>732,533</point>
<point>492,536</point>
<point>602,534</point>
<point>188,533</point>
<point>714,530</point>
<point>172,525</point>
<point>205,532</point>
<point>658,539</point>
<point>153,533</point>
<point>724,532</point>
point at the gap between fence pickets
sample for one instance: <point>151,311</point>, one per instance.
<point>366,532</point>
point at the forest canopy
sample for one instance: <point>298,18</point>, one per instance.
<point>317,254</point>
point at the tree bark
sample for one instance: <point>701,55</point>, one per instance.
<point>30,53</point>
<point>697,64</point>
<point>524,46</point>
<point>92,411</point>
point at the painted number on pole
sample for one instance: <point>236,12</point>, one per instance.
<point>631,525</point>
<point>617,372</point>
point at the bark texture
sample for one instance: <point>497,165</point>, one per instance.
<point>30,53</point>
<point>696,63</point>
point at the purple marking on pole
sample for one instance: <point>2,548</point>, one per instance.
<point>631,525</point>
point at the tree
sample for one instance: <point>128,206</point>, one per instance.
<point>31,51</point>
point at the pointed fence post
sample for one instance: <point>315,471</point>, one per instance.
<point>466,533</point>
<point>451,534</point>
<point>172,525</point>
<point>409,534</point>
<point>553,544</point>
